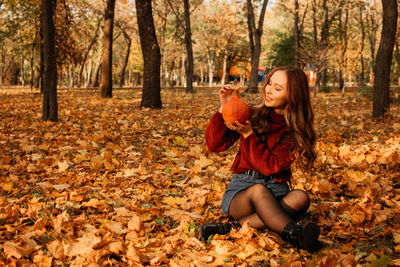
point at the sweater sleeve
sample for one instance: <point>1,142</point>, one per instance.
<point>265,159</point>
<point>218,136</point>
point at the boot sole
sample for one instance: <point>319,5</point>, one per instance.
<point>211,229</point>
<point>310,233</point>
<point>203,233</point>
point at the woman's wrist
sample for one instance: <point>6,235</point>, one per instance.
<point>220,109</point>
<point>245,135</point>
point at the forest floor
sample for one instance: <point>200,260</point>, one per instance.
<point>115,184</point>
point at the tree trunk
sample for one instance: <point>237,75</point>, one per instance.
<point>201,75</point>
<point>126,59</point>
<point>373,26</point>
<point>223,79</point>
<point>130,78</point>
<point>97,72</point>
<point>41,63</point>
<point>32,72</point>
<point>60,76</point>
<point>189,49</point>
<point>343,37</point>
<point>362,73</point>
<point>33,56</point>
<point>106,73</point>
<point>210,70</point>
<point>316,47</point>
<point>163,71</point>
<point>2,63</point>
<point>341,81</point>
<point>50,108</point>
<point>384,59</point>
<point>397,58</point>
<point>324,42</point>
<point>183,69</point>
<point>94,40</point>
<point>296,29</point>
<point>89,73</point>
<point>255,42</point>
<point>71,77</point>
<point>151,95</point>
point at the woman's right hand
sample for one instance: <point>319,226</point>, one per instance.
<point>225,94</point>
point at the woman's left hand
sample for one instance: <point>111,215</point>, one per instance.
<point>244,129</point>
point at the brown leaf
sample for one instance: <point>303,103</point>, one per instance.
<point>56,249</point>
<point>11,249</point>
<point>135,223</point>
<point>132,253</point>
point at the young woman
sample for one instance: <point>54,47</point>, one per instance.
<point>279,133</point>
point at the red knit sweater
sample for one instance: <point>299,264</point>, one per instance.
<point>270,158</point>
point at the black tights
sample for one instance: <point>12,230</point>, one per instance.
<point>258,205</point>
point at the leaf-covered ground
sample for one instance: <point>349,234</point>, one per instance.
<point>114,184</point>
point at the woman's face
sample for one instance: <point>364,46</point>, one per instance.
<point>276,92</point>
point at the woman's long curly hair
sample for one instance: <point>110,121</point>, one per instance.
<point>298,114</point>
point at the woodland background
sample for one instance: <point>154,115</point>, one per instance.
<point>114,182</point>
<point>339,39</point>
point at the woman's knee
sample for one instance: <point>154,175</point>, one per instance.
<point>298,200</point>
<point>258,189</point>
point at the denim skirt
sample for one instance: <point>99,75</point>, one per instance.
<point>242,181</point>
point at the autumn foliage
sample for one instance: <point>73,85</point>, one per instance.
<point>115,184</point>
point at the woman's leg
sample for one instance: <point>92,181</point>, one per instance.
<point>260,207</point>
<point>294,204</point>
<point>259,200</point>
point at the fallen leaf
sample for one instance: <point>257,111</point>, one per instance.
<point>11,249</point>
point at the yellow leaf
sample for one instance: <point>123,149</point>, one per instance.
<point>396,238</point>
<point>195,243</point>
<point>56,249</point>
<point>248,251</point>
<point>115,247</point>
<point>47,136</point>
<point>115,227</point>
<point>31,168</point>
<point>135,224</point>
<point>42,260</point>
<point>344,151</point>
<point>173,201</point>
<point>347,248</point>
<point>13,250</point>
<point>203,162</point>
<point>355,176</point>
<point>7,186</point>
<point>371,257</point>
<point>92,203</point>
<point>196,180</point>
<point>267,243</point>
<point>357,159</point>
<point>61,187</point>
<point>179,141</point>
<point>370,158</point>
<point>62,166</point>
<point>221,249</point>
<point>324,185</point>
<point>132,253</point>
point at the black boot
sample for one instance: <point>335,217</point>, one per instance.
<point>303,235</point>
<point>209,229</point>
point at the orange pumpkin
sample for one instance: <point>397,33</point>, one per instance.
<point>235,110</point>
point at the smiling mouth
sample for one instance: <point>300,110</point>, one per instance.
<point>268,99</point>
